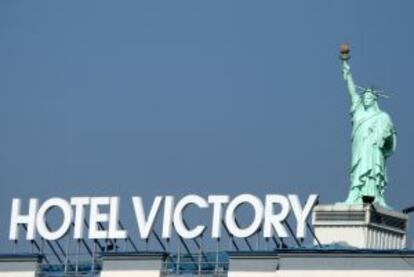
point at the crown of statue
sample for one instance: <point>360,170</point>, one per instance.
<point>373,90</point>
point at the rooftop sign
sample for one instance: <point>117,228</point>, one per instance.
<point>223,209</point>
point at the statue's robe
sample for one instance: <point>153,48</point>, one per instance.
<point>373,140</point>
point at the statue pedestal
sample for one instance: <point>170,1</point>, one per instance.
<point>362,226</point>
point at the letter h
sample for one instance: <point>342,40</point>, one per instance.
<point>28,219</point>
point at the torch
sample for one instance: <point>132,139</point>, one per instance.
<point>344,51</point>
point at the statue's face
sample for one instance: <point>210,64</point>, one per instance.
<point>369,99</point>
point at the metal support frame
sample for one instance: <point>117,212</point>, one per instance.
<point>313,234</point>
<point>245,239</point>
<point>64,253</point>
<point>128,237</point>
<point>292,234</point>
<point>198,245</point>
<point>188,251</point>
<point>50,246</point>
<point>231,237</point>
<point>159,240</point>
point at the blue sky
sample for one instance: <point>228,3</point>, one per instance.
<point>209,97</point>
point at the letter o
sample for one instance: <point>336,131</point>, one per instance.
<point>42,228</point>
<point>230,219</point>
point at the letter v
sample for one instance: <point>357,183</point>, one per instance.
<point>145,224</point>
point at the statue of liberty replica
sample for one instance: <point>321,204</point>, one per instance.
<point>373,140</point>
<point>353,223</point>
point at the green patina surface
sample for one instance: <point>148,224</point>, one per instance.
<point>373,141</point>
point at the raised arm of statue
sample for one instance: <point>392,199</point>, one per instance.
<point>346,71</point>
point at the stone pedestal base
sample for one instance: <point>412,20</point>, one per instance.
<point>322,263</point>
<point>362,226</point>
